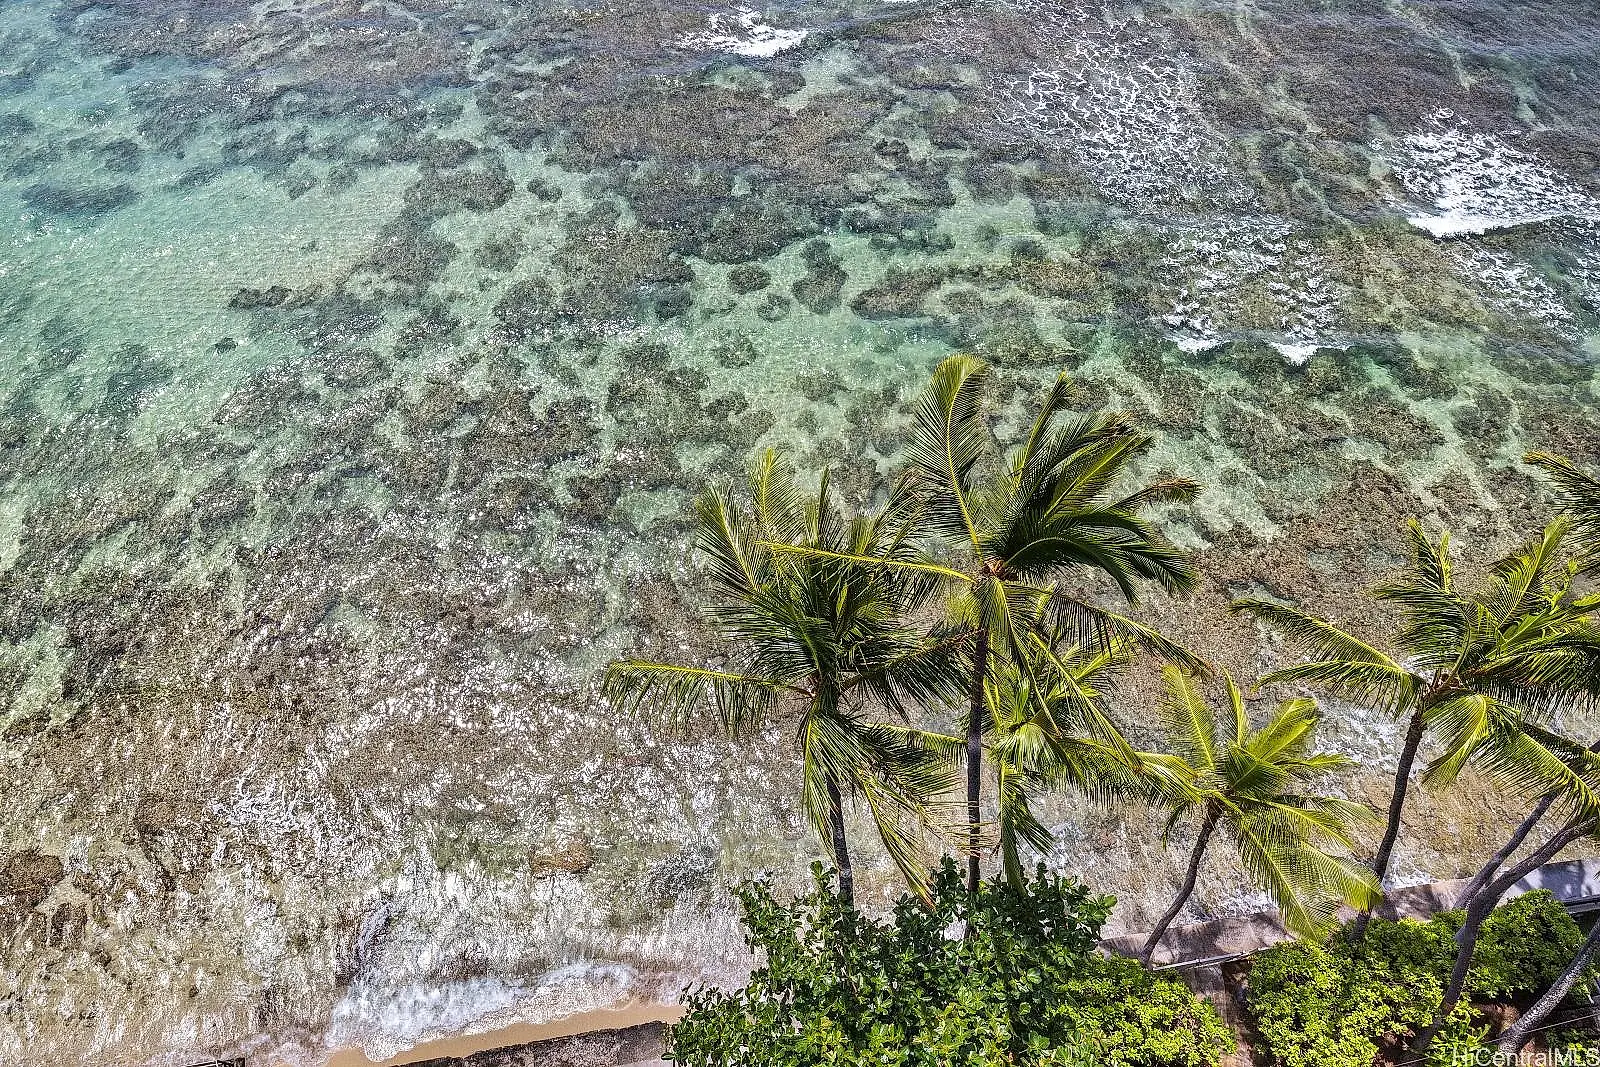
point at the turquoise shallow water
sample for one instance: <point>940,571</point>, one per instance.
<point>360,358</point>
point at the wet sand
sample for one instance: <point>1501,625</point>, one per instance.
<point>518,1034</point>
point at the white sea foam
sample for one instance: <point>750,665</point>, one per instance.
<point>1462,183</point>
<point>1508,285</point>
<point>1295,352</point>
<point>1194,345</point>
<point>1469,183</point>
<point>1121,103</point>
<point>1222,278</point>
<point>743,33</point>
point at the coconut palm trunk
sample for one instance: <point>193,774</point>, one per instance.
<point>1521,834</point>
<point>980,670</point>
<point>1397,798</point>
<point>1472,924</point>
<point>1514,842</point>
<point>1415,728</point>
<point>1517,1033</point>
<point>1185,891</point>
<point>840,846</point>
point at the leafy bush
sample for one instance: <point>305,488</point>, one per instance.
<point>1335,1006</point>
<point>1132,1018</point>
<point>1297,994</point>
<point>1464,1039</point>
<point>1024,987</point>
<point>1525,945</point>
<point>1331,1007</point>
<point>1573,1041</point>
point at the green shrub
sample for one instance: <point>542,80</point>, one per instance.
<point>1335,1006</point>
<point>1573,1041</point>
<point>1525,945</point>
<point>1297,995</point>
<point>1134,1019</point>
<point>1398,971</point>
<point>1024,988</point>
<point>1331,1007</point>
<point>1462,1040</point>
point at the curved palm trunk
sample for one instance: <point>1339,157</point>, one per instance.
<point>1514,842</point>
<point>1518,1033</point>
<point>1540,810</point>
<point>980,670</point>
<point>841,848</point>
<point>1397,802</point>
<point>1184,891</point>
<point>1397,799</point>
<point>1477,911</point>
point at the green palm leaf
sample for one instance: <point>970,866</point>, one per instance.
<point>949,441</point>
<point>1252,784</point>
<point>1579,496</point>
<point>739,700</point>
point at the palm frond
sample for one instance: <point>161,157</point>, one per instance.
<point>1521,579</point>
<point>1166,491</point>
<point>867,562</point>
<point>728,542</point>
<point>1579,496</point>
<point>1018,824</point>
<point>1285,734</point>
<point>739,700</point>
<point>1089,625</point>
<point>919,673</point>
<point>1052,404</point>
<point>1465,723</point>
<point>1430,560</point>
<point>776,499</point>
<point>1187,720</point>
<point>1380,686</point>
<point>949,442</point>
<point>1320,638</point>
<point>1307,885</point>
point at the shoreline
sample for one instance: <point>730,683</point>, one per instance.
<point>521,1033</point>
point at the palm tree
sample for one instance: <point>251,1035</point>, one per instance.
<point>1484,670</point>
<point>1049,731</point>
<point>1252,785</point>
<point>1534,648</point>
<point>1013,524</point>
<point>826,646</point>
<point>1579,496</point>
<point>1517,1034</point>
<point>1477,911</point>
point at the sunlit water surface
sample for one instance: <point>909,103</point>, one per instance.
<point>359,360</point>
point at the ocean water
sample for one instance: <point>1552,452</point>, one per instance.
<point>358,360</point>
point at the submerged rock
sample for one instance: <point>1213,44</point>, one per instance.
<point>748,278</point>
<point>527,307</point>
<point>252,299</point>
<point>819,290</point>
<point>72,201</point>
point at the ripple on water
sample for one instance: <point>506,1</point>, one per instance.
<point>361,364</point>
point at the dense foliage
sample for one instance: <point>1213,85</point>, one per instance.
<point>1337,1005</point>
<point>1526,943</point>
<point>1024,986</point>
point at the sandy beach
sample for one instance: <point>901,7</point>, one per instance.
<point>617,1018</point>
